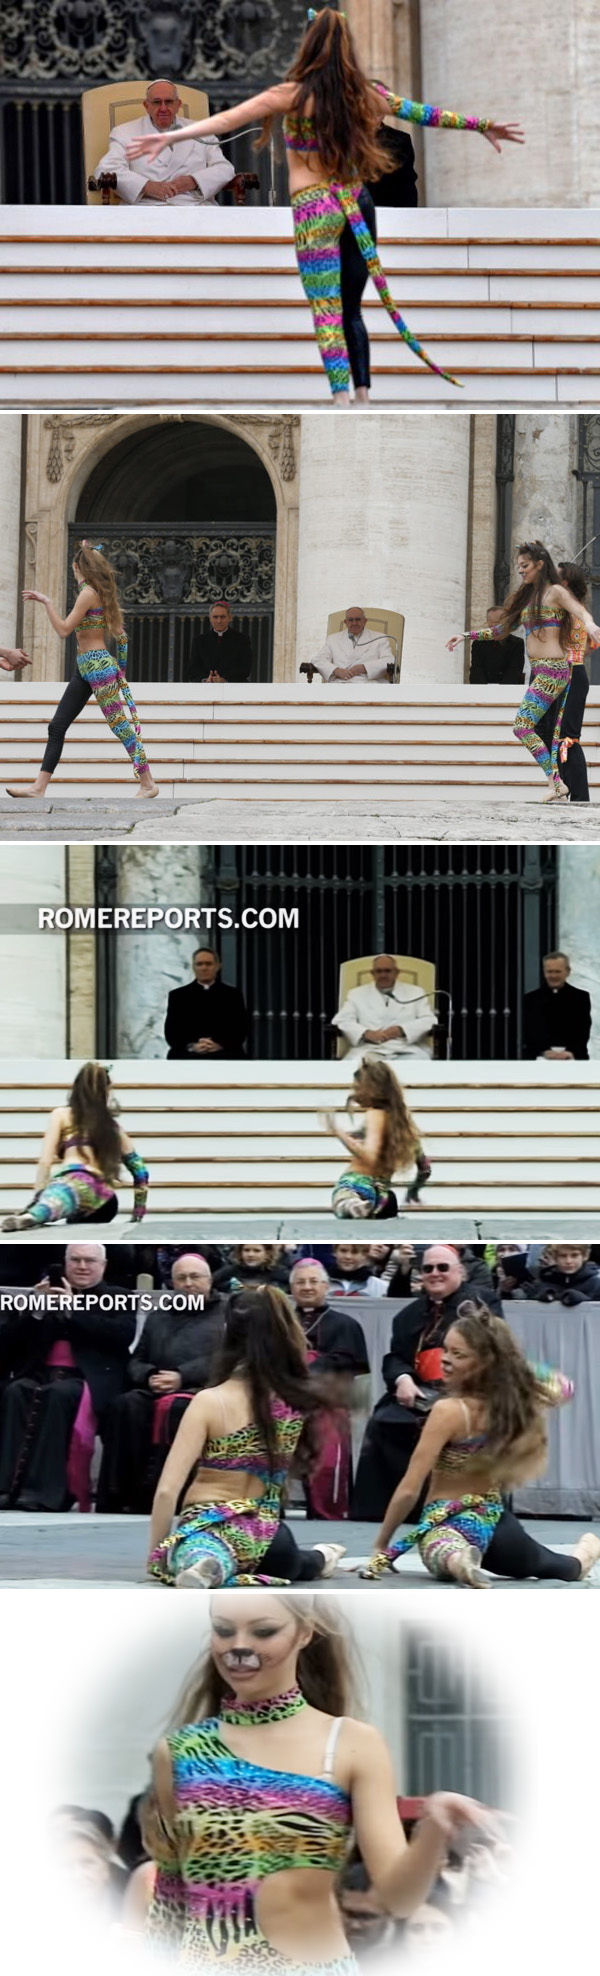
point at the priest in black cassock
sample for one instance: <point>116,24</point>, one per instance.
<point>221,653</point>
<point>206,1018</point>
<point>557,1018</point>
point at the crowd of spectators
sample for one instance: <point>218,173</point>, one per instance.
<point>93,1384</point>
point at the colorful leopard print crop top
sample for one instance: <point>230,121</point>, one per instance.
<point>244,1450</point>
<point>234,1823</point>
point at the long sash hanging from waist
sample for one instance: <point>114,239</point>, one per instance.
<point>347,198</point>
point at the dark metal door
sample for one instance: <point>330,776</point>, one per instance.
<point>167,580</point>
<point>455,1732</point>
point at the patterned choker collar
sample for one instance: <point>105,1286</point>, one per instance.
<point>275,1708</point>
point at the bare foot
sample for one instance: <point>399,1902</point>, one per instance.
<point>34,790</point>
<point>465,1569</point>
<point>13,1222</point>
<point>361,395</point>
<point>147,786</point>
<point>588,1552</point>
<point>332,1554</point>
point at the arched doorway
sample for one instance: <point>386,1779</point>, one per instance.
<point>187,512</point>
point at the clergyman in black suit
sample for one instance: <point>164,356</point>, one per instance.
<point>497,661</point>
<point>221,653</point>
<point>557,1018</point>
<point>206,1018</point>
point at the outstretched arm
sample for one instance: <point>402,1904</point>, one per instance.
<point>436,119</point>
<point>86,601</point>
<point>564,597</point>
<point>271,103</point>
<point>139,1174</point>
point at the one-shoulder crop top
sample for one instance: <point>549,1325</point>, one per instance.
<point>244,1449</point>
<point>548,619</point>
<point>234,1824</point>
<point>300,132</point>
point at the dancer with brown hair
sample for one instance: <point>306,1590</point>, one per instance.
<point>226,1472</point>
<point>385,1138</point>
<point>572,760</point>
<point>81,1158</point>
<point>487,1435</point>
<point>95,617</point>
<point>259,1784</point>
<point>549,612</point>
<point>331,120</point>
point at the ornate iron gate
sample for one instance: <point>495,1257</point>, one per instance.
<point>168,579</point>
<point>484,914</point>
<point>231,48</point>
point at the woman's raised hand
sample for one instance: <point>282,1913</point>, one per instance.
<point>147,147</point>
<point>498,134</point>
<point>451,643</point>
<point>36,597</point>
<point>327,1121</point>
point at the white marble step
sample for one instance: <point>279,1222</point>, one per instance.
<point>456,259</point>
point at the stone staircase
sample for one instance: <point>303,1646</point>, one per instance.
<point>300,743</point>
<point>112,306</point>
<point>243,1139</point>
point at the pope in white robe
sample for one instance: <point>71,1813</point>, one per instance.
<point>386,1017</point>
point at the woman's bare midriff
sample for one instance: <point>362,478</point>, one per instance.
<point>224,1487</point>
<point>296,1910</point>
<point>446,1482</point>
<point>544,648</point>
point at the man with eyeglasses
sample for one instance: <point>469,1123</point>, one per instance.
<point>202,170</point>
<point>356,655</point>
<point>412,1373</point>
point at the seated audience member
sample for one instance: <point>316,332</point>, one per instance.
<point>172,1361</point>
<point>191,173</point>
<point>165,1257</point>
<point>497,662</point>
<point>253,1264</point>
<point>221,655</point>
<point>206,1018</point>
<point>557,1018</point>
<point>355,655</point>
<point>86,1863</point>
<point>351,1273</point>
<point>412,1373</point>
<point>568,1277</point>
<point>337,1348</point>
<point>65,1367</point>
<point>392,1017</point>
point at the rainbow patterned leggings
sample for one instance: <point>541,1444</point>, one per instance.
<point>74,1194</point>
<point>319,217</point>
<point>115,700</point>
<point>549,681</point>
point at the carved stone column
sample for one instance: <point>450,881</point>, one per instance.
<point>471,52</point>
<point>10,521</point>
<point>148,965</point>
<point>33,965</point>
<point>383,521</point>
<point>545,492</point>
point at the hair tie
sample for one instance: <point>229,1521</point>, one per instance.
<point>91,545</point>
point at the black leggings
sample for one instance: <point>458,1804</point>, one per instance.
<point>74,699</point>
<point>284,1559</point>
<point>514,1554</point>
<point>355,275</point>
<point>574,768</point>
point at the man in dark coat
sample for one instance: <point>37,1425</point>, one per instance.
<point>206,1018</point>
<point>557,1018</point>
<point>497,661</point>
<point>221,653</point>
<point>173,1359</point>
<point>49,1355</point>
<point>412,1373</point>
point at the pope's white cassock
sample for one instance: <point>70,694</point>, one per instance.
<point>372,650</point>
<point>369,1008</point>
<point>200,158</point>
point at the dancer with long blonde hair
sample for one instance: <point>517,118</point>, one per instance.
<point>332,114</point>
<point>96,616</point>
